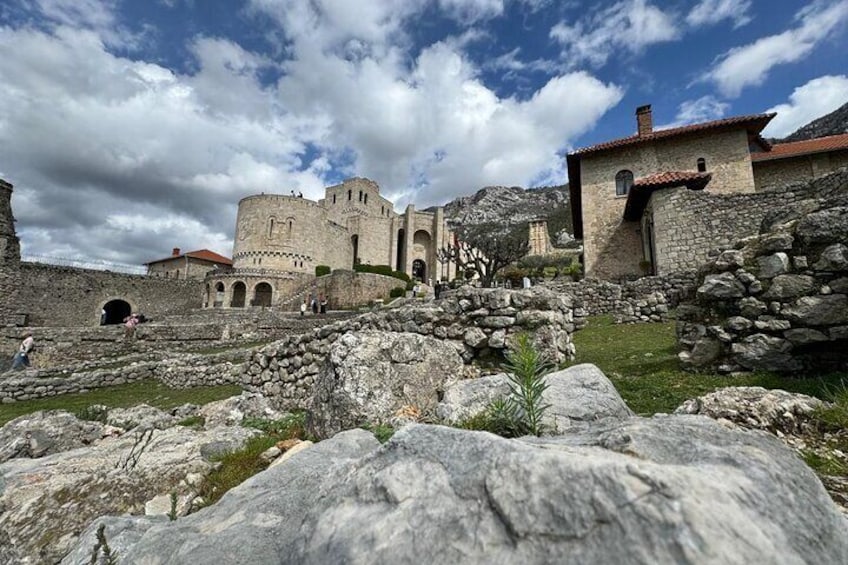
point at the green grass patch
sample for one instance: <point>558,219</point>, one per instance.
<point>149,392</point>
<point>641,361</point>
<point>291,426</point>
<point>383,432</point>
<point>825,465</point>
<point>192,422</point>
<point>236,467</point>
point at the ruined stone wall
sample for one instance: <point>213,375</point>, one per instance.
<point>776,173</point>
<point>64,296</point>
<point>349,289</point>
<point>647,299</point>
<point>779,301</point>
<point>613,247</point>
<point>689,224</point>
<point>479,322</point>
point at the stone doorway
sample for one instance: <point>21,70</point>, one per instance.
<point>239,293</point>
<point>116,311</point>
<point>419,270</point>
<point>262,294</point>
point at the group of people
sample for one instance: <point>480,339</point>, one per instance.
<point>317,305</point>
<point>21,357</point>
<point>297,195</point>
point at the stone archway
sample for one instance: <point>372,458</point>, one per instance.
<point>262,294</point>
<point>219,295</point>
<point>419,270</point>
<point>116,311</point>
<point>239,294</point>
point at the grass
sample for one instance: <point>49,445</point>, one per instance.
<point>641,361</point>
<point>149,392</point>
<point>238,466</point>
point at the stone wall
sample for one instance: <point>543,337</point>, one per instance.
<point>479,322</point>
<point>647,299</point>
<point>770,174</point>
<point>689,224</point>
<point>64,296</point>
<point>779,301</point>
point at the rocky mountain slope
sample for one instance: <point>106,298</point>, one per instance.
<point>512,205</point>
<point>835,123</point>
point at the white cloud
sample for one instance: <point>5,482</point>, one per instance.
<point>703,109</point>
<point>629,25</point>
<point>93,141</point>
<point>750,64</point>
<point>812,100</point>
<point>711,12</point>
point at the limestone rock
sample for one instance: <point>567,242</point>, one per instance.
<point>721,286</point>
<point>756,407</point>
<point>789,287</point>
<point>803,336</point>
<point>729,260</point>
<point>581,393</point>
<point>469,397</point>
<point>828,310</point>
<point>370,375</point>
<point>833,258</point>
<point>46,502</point>
<point>142,416</point>
<point>824,226</point>
<point>122,533</point>
<point>46,432</point>
<point>232,411</point>
<point>772,265</point>
<point>763,352</point>
<point>635,492</point>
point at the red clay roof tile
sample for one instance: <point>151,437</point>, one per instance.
<point>806,147</point>
<point>204,254</point>
<point>755,122</point>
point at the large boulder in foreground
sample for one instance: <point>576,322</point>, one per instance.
<point>369,376</point>
<point>672,489</point>
<point>581,393</point>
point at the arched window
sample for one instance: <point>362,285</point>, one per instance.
<point>702,165</point>
<point>623,182</point>
<point>271,228</point>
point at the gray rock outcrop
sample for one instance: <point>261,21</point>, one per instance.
<point>672,489</point>
<point>46,502</point>
<point>371,375</point>
<point>46,432</point>
<point>232,411</point>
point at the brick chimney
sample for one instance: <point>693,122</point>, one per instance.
<point>175,252</point>
<point>644,119</point>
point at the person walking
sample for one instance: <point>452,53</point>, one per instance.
<point>303,307</point>
<point>130,322</point>
<point>21,358</point>
<point>314,306</point>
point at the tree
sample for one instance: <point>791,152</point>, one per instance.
<point>485,249</point>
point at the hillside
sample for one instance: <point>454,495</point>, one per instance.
<point>835,123</point>
<point>513,205</point>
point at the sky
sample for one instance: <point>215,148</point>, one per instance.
<point>130,127</point>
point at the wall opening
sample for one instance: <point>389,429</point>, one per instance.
<point>239,292</point>
<point>219,295</point>
<point>354,241</point>
<point>401,244</point>
<point>116,311</point>
<point>419,270</point>
<point>702,165</point>
<point>262,294</point>
<point>623,182</point>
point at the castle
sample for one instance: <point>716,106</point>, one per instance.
<point>281,239</point>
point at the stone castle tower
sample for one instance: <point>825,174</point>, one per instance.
<point>10,248</point>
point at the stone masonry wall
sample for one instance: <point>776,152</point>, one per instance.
<point>776,173</point>
<point>647,299</point>
<point>779,300</point>
<point>63,296</point>
<point>479,322</point>
<point>689,224</point>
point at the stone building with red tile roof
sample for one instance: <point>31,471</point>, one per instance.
<point>614,185</point>
<point>190,265</point>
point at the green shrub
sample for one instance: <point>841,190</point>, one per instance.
<point>397,292</point>
<point>385,270</point>
<point>321,270</point>
<point>526,368</point>
<point>291,426</point>
<point>192,422</point>
<point>383,432</point>
<point>410,285</point>
<point>401,275</point>
<point>93,413</point>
